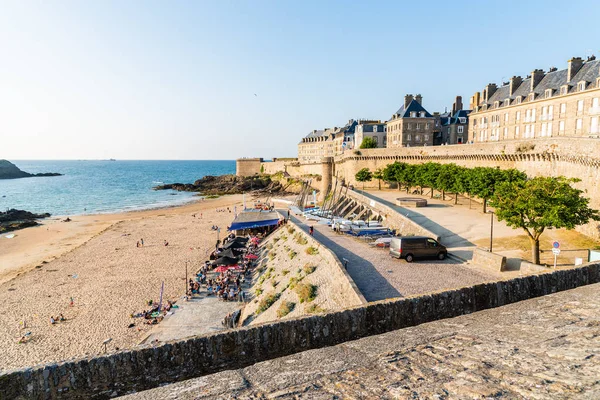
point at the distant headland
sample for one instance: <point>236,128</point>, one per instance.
<point>9,170</point>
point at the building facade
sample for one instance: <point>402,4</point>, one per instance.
<point>412,125</point>
<point>544,104</point>
<point>327,142</point>
<point>455,124</point>
<point>370,128</point>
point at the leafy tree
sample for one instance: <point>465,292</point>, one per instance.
<point>483,183</point>
<point>389,172</point>
<point>408,175</point>
<point>364,175</point>
<point>368,143</point>
<point>378,174</point>
<point>446,179</point>
<point>426,176</point>
<point>540,203</point>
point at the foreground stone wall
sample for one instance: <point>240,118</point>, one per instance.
<point>136,370</point>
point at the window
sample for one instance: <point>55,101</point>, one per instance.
<point>518,115</point>
<point>496,104</point>
<point>506,102</point>
<point>460,129</point>
<point>505,133</point>
<point>413,114</point>
<point>594,125</point>
<point>518,100</point>
<point>408,137</point>
<point>517,130</point>
<point>422,114</point>
<point>418,126</point>
<point>549,129</point>
<point>579,124</point>
<point>550,111</point>
<point>564,89</point>
<point>418,138</point>
<point>533,115</point>
<point>580,106</point>
<point>506,117</point>
<point>531,97</point>
<point>374,128</point>
<point>548,93</point>
<point>561,126</point>
<point>581,86</point>
<point>474,121</point>
<point>426,138</point>
<point>463,120</point>
<point>595,105</point>
<point>563,108</point>
<point>544,129</point>
<point>427,125</point>
<point>527,130</point>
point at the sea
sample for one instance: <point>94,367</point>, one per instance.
<point>98,187</point>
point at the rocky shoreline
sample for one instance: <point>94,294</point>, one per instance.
<point>228,184</point>
<point>13,220</point>
<point>9,170</point>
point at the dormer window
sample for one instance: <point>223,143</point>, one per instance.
<point>581,86</point>
<point>422,114</point>
<point>506,102</point>
<point>564,89</point>
<point>497,104</point>
<point>413,114</point>
<point>519,99</point>
<point>484,107</point>
<point>548,93</point>
<point>531,97</point>
<point>462,120</point>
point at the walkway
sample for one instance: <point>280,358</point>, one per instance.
<point>378,276</point>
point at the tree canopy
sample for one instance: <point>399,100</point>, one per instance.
<point>540,203</point>
<point>364,175</point>
<point>368,143</point>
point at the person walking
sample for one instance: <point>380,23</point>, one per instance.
<point>142,242</point>
<point>311,230</point>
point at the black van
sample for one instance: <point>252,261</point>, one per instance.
<point>411,247</point>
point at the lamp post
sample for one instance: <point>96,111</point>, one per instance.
<point>491,229</point>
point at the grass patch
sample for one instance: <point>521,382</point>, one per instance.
<point>267,302</point>
<point>272,255</point>
<point>300,239</point>
<point>291,230</point>
<point>269,246</point>
<point>285,272</point>
<point>258,291</point>
<point>294,281</point>
<point>312,250</point>
<point>314,309</point>
<point>284,238</point>
<point>285,308</point>
<point>274,282</point>
<point>212,196</point>
<point>306,292</point>
<point>309,269</point>
<point>292,254</point>
<point>275,240</point>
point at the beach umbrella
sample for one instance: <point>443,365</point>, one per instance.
<point>232,253</point>
<point>221,269</point>
<point>225,261</point>
<point>240,239</point>
<point>234,245</point>
<point>237,266</point>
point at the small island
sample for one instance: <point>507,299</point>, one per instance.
<point>9,170</point>
<point>12,220</point>
<point>227,184</point>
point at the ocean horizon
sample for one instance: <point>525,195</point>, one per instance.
<point>104,186</point>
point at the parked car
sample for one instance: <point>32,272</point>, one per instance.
<point>411,247</point>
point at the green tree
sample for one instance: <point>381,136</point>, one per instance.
<point>540,203</point>
<point>446,179</point>
<point>408,175</point>
<point>483,183</point>
<point>364,175</point>
<point>368,143</point>
<point>378,174</point>
<point>389,172</point>
<point>426,175</point>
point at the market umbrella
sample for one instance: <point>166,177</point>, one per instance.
<point>251,256</point>
<point>240,239</point>
<point>232,253</point>
<point>225,261</point>
<point>237,266</point>
<point>221,269</point>
<point>234,245</point>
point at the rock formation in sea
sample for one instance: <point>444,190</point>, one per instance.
<point>9,170</point>
<point>228,184</point>
<point>12,219</point>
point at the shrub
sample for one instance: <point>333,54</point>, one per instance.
<point>272,255</point>
<point>312,250</point>
<point>314,309</point>
<point>300,239</point>
<point>273,282</point>
<point>309,269</point>
<point>285,308</point>
<point>291,230</point>
<point>285,272</point>
<point>269,246</point>
<point>275,240</point>
<point>267,302</point>
<point>306,292</point>
<point>292,254</point>
<point>258,291</point>
<point>284,238</point>
<point>294,281</point>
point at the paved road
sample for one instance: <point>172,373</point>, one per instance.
<point>378,276</point>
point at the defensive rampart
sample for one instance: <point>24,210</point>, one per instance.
<point>134,370</point>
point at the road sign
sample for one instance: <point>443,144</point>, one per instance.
<point>556,245</point>
<point>555,251</point>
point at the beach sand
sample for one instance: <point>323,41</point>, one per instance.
<point>95,261</point>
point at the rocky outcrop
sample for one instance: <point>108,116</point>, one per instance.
<point>13,220</point>
<point>9,170</point>
<point>227,184</point>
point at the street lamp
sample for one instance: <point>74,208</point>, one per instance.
<point>491,229</point>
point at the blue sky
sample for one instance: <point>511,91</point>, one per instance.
<point>177,80</point>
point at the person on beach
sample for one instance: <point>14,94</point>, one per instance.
<point>52,321</point>
<point>166,243</point>
<point>142,242</point>
<point>311,230</point>
<point>137,244</point>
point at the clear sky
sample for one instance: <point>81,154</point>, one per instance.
<point>224,79</point>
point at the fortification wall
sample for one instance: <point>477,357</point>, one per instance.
<point>135,370</point>
<point>247,166</point>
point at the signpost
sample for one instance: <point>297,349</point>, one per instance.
<point>555,251</point>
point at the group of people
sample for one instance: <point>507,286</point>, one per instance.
<point>54,320</point>
<point>140,243</point>
<point>224,210</point>
<point>155,314</point>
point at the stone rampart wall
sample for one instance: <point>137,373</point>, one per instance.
<point>247,166</point>
<point>484,258</point>
<point>135,370</point>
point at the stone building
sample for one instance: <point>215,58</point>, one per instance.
<point>370,128</point>
<point>327,142</point>
<point>555,103</point>
<point>455,124</point>
<point>412,125</point>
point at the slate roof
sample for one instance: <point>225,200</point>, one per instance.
<point>316,133</point>
<point>447,120</point>
<point>552,80</point>
<point>412,106</point>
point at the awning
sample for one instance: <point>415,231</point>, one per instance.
<point>254,219</point>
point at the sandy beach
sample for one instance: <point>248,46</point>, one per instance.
<point>95,261</point>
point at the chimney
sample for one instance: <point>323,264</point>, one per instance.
<point>536,76</point>
<point>419,99</point>
<point>475,100</point>
<point>407,99</point>
<point>575,65</point>
<point>489,91</point>
<point>458,105</point>
<point>514,84</point>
